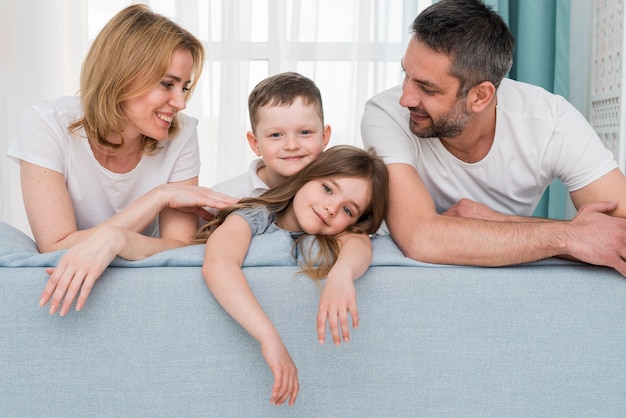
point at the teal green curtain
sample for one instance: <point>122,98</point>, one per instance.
<point>542,31</point>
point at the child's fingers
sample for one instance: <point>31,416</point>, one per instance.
<point>322,314</point>
<point>284,392</point>
<point>345,329</point>
<point>295,388</point>
<point>333,323</point>
<point>285,387</point>
<point>345,326</point>
<point>354,313</point>
<point>276,389</point>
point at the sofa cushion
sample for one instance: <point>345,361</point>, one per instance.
<point>273,249</point>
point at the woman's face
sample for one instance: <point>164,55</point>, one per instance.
<point>152,113</point>
<point>327,206</point>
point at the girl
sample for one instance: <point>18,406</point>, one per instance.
<point>339,199</point>
<point>103,174</point>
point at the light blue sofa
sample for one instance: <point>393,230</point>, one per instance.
<point>545,339</point>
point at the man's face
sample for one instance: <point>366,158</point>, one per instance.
<point>430,94</point>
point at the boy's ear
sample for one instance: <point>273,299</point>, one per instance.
<point>254,144</point>
<point>326,136</point>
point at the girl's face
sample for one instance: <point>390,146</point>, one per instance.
<point>151,114</point>
<point>327,206</point>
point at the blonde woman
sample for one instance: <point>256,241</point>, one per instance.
<point>114,172</point>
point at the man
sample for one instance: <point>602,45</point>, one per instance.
<point>470,153</point>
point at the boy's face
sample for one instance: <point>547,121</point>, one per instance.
<point>287,138</point>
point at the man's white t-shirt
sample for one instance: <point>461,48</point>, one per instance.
<point>247,184</point>
<point>539,137</point>
<point>97,193</point>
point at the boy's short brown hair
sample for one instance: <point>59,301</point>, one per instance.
<point>283,89</point>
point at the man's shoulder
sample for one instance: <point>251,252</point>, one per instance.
<point>521,98</point>
<point>518,89</point>
<point>388,97</point>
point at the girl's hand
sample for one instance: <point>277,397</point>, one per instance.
<point>337,299</point>
<point>284,370</point>
<point>79,268</point>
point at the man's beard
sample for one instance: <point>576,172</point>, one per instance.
<point>449,125</point>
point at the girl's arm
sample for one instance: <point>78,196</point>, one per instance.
<point>339,294</point>
<point>225,251</point>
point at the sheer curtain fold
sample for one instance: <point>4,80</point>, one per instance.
<point>297,37</point>
<point>352,50</point>
<point>542,33</point>
<point>41,57</point>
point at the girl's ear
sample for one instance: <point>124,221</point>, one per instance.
<point>254,143</point>
<point>480,96</point>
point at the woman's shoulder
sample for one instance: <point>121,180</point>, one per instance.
<point>65,108</point>
<point>188,124</point>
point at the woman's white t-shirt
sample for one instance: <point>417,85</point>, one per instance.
<point>97,193</point>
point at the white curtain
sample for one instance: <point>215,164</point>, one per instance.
<point>41,48</point>
<point>351,48</point>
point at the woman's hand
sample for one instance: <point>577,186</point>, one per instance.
<point>194,199</point>
<point>79,268</point>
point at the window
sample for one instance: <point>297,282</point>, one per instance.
<point>350,48</point>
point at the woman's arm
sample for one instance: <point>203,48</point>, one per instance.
<point>49,208</point>
<point>339,294</point>
<point>53,223</point>
<point>225,251</point>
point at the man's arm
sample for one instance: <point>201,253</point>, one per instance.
<point>423,234</point>
<point>611,186</point>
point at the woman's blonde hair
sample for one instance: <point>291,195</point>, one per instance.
<point>337,161</point>
<point>128,58</point>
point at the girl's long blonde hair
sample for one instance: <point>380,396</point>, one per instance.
<point>337,161</point>
<point>134,49</point>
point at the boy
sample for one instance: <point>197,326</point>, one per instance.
<point>288,132</point>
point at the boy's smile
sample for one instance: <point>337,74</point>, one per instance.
<point>287,138</point>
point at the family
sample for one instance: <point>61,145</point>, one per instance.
<point>455,160</point>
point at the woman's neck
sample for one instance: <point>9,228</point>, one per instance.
<point>121,160</point>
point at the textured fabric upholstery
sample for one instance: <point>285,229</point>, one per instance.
<point>546,339</point>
